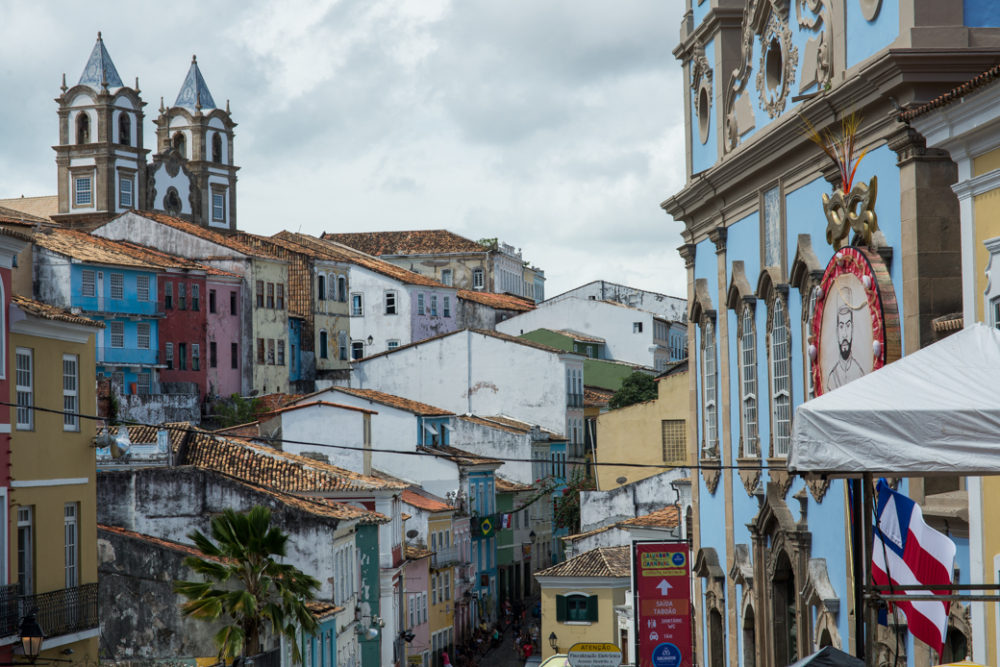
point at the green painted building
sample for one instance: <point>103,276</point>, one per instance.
<point>597,372</point>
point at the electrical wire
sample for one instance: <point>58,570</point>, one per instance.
<point>383,450</point>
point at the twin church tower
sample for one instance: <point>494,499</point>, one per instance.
<point>102,162</point>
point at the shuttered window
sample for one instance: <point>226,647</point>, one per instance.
<point>578,608</point>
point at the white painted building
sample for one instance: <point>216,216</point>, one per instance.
<point>481,372</point>
<point>510,440</point>
<point>670,308</point>
<point>631,335</point>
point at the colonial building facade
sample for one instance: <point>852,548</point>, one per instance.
<point>773,233</point>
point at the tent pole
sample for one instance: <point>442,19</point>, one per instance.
<point>869,609</point>
<point>854,488</point>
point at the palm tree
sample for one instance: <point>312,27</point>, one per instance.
<point>246,586</point>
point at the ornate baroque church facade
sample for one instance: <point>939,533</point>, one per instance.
<point>102,163</point>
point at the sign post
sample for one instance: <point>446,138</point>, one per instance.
<point>594,654</point>
<point>661,585</point>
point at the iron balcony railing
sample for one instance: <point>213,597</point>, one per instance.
<point>445,556</point>
<point>58,612</point>
<point>270,658</point>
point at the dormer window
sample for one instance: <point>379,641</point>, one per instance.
<point>82,128</point>
<point>124,129</point>
<point>216,147</point>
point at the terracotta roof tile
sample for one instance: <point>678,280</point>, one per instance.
<point>508,486</point>
<point>459,456</point>
<point>665,517</point>
<point>47,312</point>
<point>310,404</point>
<point>576,335</point>
<point>353,256</point>
<point>259,464</point>
<point>977,82</point>
<point>416,552</point>
<point>321,609</point>
<point>596,397</point>
<point>599,562</point>
<point>422,409</point>
<point>225,240</point>
<point>85,248</point>
<point>164,259</point>
<point>498,301</point>
<point>179,547</point>
<point>363,515</point>
<point>250,430</point>
<point>413,242</point>
<point>510,424</point>
<point>271,402</point>
<point>421,501</point>
<point>146,433</point>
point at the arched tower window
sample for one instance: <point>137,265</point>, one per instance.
<point>124,129</point>
<point>748,381</point>
<point>180,144</point>
<point>216,147</point>
<point>82,128</point>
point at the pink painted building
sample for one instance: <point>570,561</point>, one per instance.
<point>223,333</point>
<point>416,583</point>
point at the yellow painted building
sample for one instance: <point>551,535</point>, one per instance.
<point>53,504</point>
<point>441,619</point>
<point>650,432</point>
<point>579,597</point>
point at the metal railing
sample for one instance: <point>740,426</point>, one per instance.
<point>446,556</point>
<point>58,612</point>
<point>270,658</point>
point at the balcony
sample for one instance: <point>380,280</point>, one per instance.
<point>59,612</point>
<point>125,356</point>
<point>574,400</point>
<point>445,557</point>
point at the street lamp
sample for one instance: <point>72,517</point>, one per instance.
<point>554,642</point>
<point>31,637</point>
<point>531,536</point>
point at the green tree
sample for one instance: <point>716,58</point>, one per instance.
<point>236,410</point>
<point>636,388</point>
<point>567,507</point>
<point>245,586</point>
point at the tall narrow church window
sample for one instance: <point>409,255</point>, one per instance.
<point>709,411</point>
<point>180,144</point>
<point>82,128</point>
<point>781,418</point>
<point>124,129</point>
<point>748,393</point>
<point>216,147</point>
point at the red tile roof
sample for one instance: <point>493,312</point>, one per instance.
<point>596,397</point>
<point>413,242</point>
<point>459,456</point>
<point>423,502</point>
<point>498,301</point>
<point>973,85</point>
<point>422,409</point>
<point>179,547</point>
<point>311,404</point>
<point>320,609</point>
<point>47,312</point>
<point>360,259</point>
<point>219,238</point>
<point>599,562</point>
<point>508,486</point>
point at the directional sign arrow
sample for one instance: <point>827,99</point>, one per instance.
<point>664,587</point>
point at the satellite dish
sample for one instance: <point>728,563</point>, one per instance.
<point>622,479</point>
<point>411,534</point>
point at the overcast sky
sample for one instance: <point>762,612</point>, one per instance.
<point>554,125</point>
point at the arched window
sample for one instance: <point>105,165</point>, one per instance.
<point>749,639</point>
<point>709,382</point>
<point>82,128</point>
<point>216,147</point>
<point>716,639</point>
<point>342,345</point>
<point>124,129</point>
<point>180,144</point>
<point>332,287</point>
<point>341,288</point>
<point>748,381</point>
<point>321,287</point>
<point>781,378</point>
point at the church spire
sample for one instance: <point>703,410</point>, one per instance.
<point>100,71</point>
<point>194,93</point>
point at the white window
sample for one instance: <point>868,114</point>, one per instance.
<point>390,302</point>
<point>447,306</point>
<point>434,305</point>
<point>142,288</point>
<point>117,334</point>
<point>357,350</point>
<point>71,392</point>
<point>391,344</point>
<point>781,379</point>
<point>477,279</point>
<point>142,384</point>
<point>117,286</point>
<point>420,304</point>
<point>89,284</point>
<point>446,277</point>
<point>357,305</point>
<point>709,412</point>
<point>125,191</point>
<point>25,550</point>
<point>24,380</point>
<point>72,544</point>
<point>83,195</point>
<point>218,206</point>
<point>748,368</point>
<point>142,335</point>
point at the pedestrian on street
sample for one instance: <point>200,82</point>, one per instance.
<point>445,660</point>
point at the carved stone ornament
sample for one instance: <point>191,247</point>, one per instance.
<point>870,8</point>
<point>779,476</point>
<point>818,486</point>
<point>701,89</point>
<point>750,474</point>
<point>854,211</point>
<point>778,59</point>
<point>710,472</point>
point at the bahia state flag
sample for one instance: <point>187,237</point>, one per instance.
<point>906,551</point>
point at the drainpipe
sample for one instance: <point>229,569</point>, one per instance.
<point>468,371</point>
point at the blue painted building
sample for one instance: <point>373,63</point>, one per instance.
<point>774,577</point>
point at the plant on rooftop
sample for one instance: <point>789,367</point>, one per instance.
<point>567,508</point>
<point>236,410</point>
<point>246,586</point>
<point>636,388</point>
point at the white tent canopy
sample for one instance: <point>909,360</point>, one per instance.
<point>936,411</point>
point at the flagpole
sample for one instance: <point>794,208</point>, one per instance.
<point>857,565</point>
<point>868,605</point>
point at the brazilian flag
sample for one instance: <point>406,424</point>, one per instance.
<point>484,526</point>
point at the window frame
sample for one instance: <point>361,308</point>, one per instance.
<point>168,355</point>
<point>749,384</point>
<point>142,285</point>
<point>780,370</point>
<point>143,331</point>
<point>112,326</point>
<point>117,285</point>
<point>25,413</point>
<point>84,283</point>
<point>357,304</point>
<point>390,302</point>
<point>710,390</point>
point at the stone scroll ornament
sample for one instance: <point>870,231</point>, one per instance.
<point>852,206</point>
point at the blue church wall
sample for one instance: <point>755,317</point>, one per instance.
<point>981,13</point>
<point>699,9</point>
<point>866,38</point>
<point>704,155</point>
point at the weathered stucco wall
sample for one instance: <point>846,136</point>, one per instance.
<point>603,508</point>
<point>498,443</point>
<point>159,408</point>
